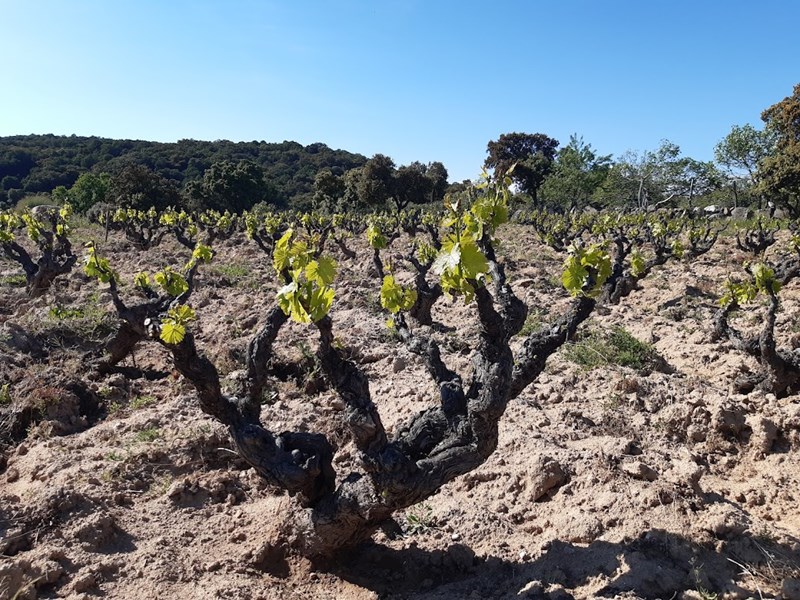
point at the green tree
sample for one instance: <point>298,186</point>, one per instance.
<point>328,191</point>
<point>88,190</point>
<point>779,173</point>
<point>437,173</point>
<point>233,186</point>
<point>411,185</point>
<point>139,187</point>
<point>740,153</point>
<point>376,184</point>
<point>743,149</point>
<point>578,171</point>
<point>351,200</point>
<point>657,177</point>
<point>370,187</point>
<point>531,155</point>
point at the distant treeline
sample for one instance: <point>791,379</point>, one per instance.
<point>37,164</point>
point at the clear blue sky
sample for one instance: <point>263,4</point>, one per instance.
<point>415,79</point>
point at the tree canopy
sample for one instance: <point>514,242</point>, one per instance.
<point>779,172</point>
<point>40,163</point>
<point>228,185</point>
<point>578,171</point>
<point>531,156</point>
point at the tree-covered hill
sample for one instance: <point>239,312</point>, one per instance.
<point>40,163</point>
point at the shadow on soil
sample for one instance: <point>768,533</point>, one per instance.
<point>656,565</point>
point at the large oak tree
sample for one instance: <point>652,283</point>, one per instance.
<point>531,155</point>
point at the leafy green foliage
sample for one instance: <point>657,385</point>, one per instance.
<point>47,161</point>
<point>527,158</point>
<point>173,325</point>
<point>201,254</point>
<point>762,281</point>
<point>236,186</point>
<point>638,264</point>
<point>308,295</point>
<point>151,434</point>
<point>396,298</point>
<point>779,171</point>
<point>172,282</point>
<point>88,190</point>
<point>9,222</point>
<point>586,270</point>
<point>577,172</point>
<point>426,253</point>
<point>143,401</point>
<point>142,280</point>
<point>461,263</point>
<point>375,238</point>
<point>765,280</point>
<point>5,395</point>
<point>98,267</point>
<point>420,520</point>
<point>614,347</point>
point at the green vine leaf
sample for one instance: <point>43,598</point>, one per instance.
<point>98,267</point>
<point>375,237</point>
<point>173,325</point>
<point>172,333</point>
<point>171,282</point>
<point>638,264</point>
<point>322,271</point>
<point>586,270</point>
<point>396,298</point>
<point>308,296</point>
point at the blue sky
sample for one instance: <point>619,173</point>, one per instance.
<point>415,79</point>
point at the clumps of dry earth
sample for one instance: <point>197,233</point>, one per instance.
<point>648,481</point>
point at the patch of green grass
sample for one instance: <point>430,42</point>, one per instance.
<point>599,348</point>
<point>105,391</point>
<point>34,200</point>
<point>5,395</point>
<point>240,275</point>
<point>420,520</point>
<point>533,322</point>
<point>16,280</point>
<point>63,313</point>
<point>233,270</point>
<point>148,435</point>
<point>89,320</point>
<point>143,401</point>
<point>90,311</point>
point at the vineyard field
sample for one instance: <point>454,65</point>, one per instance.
<point>633,466</point>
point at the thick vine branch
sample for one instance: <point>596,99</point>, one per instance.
<point>259,353</point>
<point>353,388</point>
<point>300,463</point>
<point>531,358</point>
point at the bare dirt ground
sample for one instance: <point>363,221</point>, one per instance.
<point>608,482</point>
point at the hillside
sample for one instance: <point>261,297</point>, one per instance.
<point>40,163</point>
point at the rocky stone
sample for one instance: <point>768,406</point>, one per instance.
<point>639,470</point>
<point>546,474</point>
<point>83,583</point>
<point>790,588</point>
<point>532,589</point>
<point>724,521</point>
<point>741,213</point>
